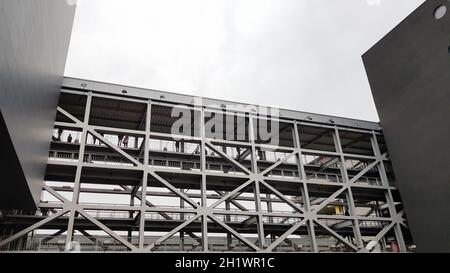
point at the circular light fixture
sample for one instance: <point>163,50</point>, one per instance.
<point>440,12</point>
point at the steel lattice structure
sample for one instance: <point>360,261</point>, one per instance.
<point>327,186</point>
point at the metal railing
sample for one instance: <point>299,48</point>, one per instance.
<point>113,160</point>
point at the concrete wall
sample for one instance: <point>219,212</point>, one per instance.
<point>34,41</point>
<point>409,72</point>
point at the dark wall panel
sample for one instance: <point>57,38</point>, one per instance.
<point>34,41</point>
<point>14,173</point>
<point>409,72</point>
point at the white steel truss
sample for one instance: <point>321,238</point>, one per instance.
<point>207,211</point>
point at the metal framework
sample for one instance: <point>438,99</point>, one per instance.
<point>327,186</point>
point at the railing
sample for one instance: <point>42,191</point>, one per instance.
<point>281,220</point>
<point>323,177</point>
<point>48,243</point>
<point>63,156</point>
<point>348,223</point>
<point>172,216</point>
<point>282,173</point>
<point>372,224</point>
<point>109,214</point>
<point>40,212</point>
<point>101,243</point>
<point>108,160</point>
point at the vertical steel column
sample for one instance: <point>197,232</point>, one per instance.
<point>131,213</point>
<point>251,131</point>
<point>203,182</point>
<point>145,176</point>
<point>228,217</point>
<point>304,189</point>
<point>349,195</point>
<point>77,182</point>
<point>182,241</point>
<point>269,206</point>
<point>270,210</point>
<point>388,194</point>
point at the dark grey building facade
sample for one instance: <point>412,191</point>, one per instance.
<point>409,72</point>
<point>34,41</point>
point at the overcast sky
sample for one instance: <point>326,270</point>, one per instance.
<point>297,54</point>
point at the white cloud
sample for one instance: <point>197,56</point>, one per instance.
<point>299,54</point>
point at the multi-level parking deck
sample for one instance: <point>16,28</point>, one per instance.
<point>320,183</point>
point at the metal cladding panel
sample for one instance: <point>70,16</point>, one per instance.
<point>34,41</point>
<point>409,73</point>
